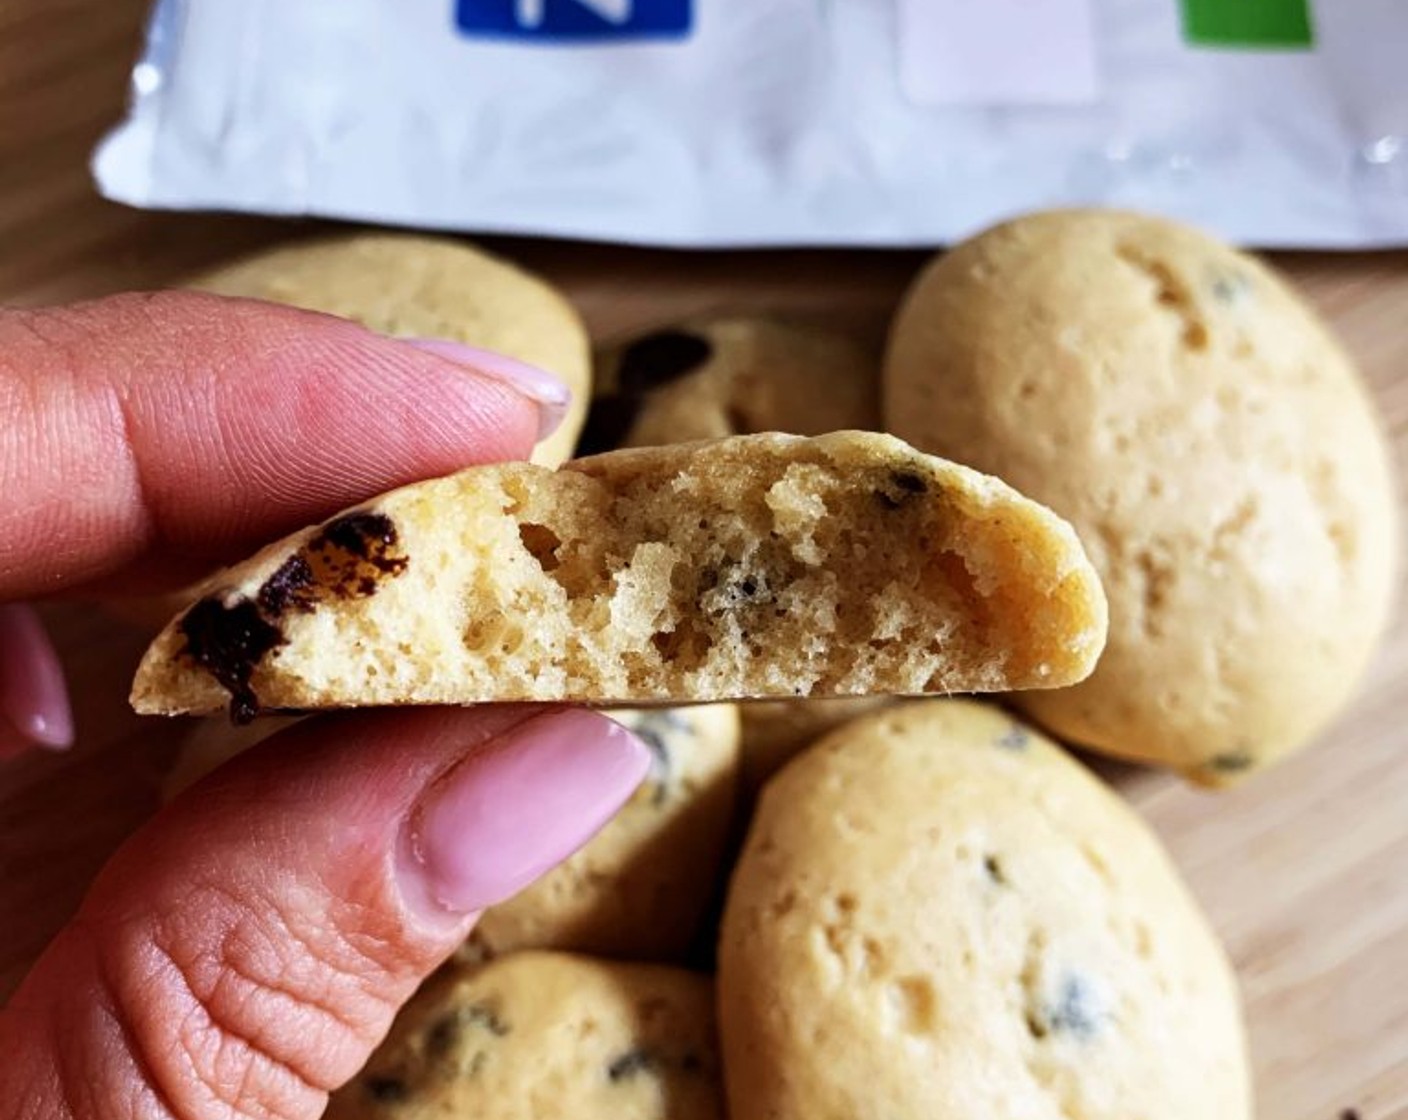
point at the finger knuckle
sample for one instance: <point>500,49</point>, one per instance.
<point>231,1009</point>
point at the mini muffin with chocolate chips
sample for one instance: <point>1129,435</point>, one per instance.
<point>707,378</point>
<point>938,913</point>
<point>538,1035</point>
<point>1211,442</point>
<point>765,565</point>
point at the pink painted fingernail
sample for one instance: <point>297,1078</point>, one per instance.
<point>550,395</point>
<point>520,805</point>
<point>33,698</point>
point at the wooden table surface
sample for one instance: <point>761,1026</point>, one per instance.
<point>1304,870</point>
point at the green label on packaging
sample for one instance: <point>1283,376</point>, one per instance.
<point>1248,23</point>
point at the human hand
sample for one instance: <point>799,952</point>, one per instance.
<point>243,952</point>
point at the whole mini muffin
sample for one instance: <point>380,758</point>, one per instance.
<point>939,914</point>
<point>712,377</point>
<point>1211,443</point>
<point>414,286</point>
<point>540,1035</point>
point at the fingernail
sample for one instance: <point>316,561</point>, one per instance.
<point>550,395</point>
<point>33,697</point>
<point>520,805</point>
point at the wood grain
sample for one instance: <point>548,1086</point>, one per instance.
<point>1304,871</point>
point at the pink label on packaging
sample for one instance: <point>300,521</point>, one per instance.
<point>998,52</point>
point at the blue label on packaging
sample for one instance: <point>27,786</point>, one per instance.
<point>556,20</point>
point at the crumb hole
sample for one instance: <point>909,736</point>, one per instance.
<point>684,648</point>
<point>1097,863</point>
<point>1170,294</point>
<point>517,495</point>
<point>872,957</point>
<point>492,630</point>
<point>1156,579</point>
<point>913,1003</point>
<point>542,544</point>
<point>1143,941</point>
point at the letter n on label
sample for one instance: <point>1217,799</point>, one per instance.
<point>547,21</point>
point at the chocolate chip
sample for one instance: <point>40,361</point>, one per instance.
<point>448,1030</point>
<point>475,950</point>
<point>1231,287</point>
<point>1075,1012</point>
<point>659,358</point>
<point>1349,1114</point>
<point>346,559</point>
<point>388,1090</point>
<point>1015,738</point>
<point>360,533</point>
<point>742,587</point>
<point>608,422</point>
<point>485,1017</point>
<point>652,738</point>
<point>229,642</point>
<point>443,1035</point>
<point>899,488</point>
<point>287,587</point>
<point>993,866</point>
<point>361,536</point>
<point>653,729</point>
<point>629,1064</point>
<point>1232,762</point>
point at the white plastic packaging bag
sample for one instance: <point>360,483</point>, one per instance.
<point>776,122</point>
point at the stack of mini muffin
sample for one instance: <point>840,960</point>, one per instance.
<point>930,909</point>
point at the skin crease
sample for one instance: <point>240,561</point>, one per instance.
<point>245,950</point>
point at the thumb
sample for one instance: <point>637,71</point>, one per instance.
<point>243,953</point>
<point>160,435</point>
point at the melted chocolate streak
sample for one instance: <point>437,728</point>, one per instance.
<point>346,559</point>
